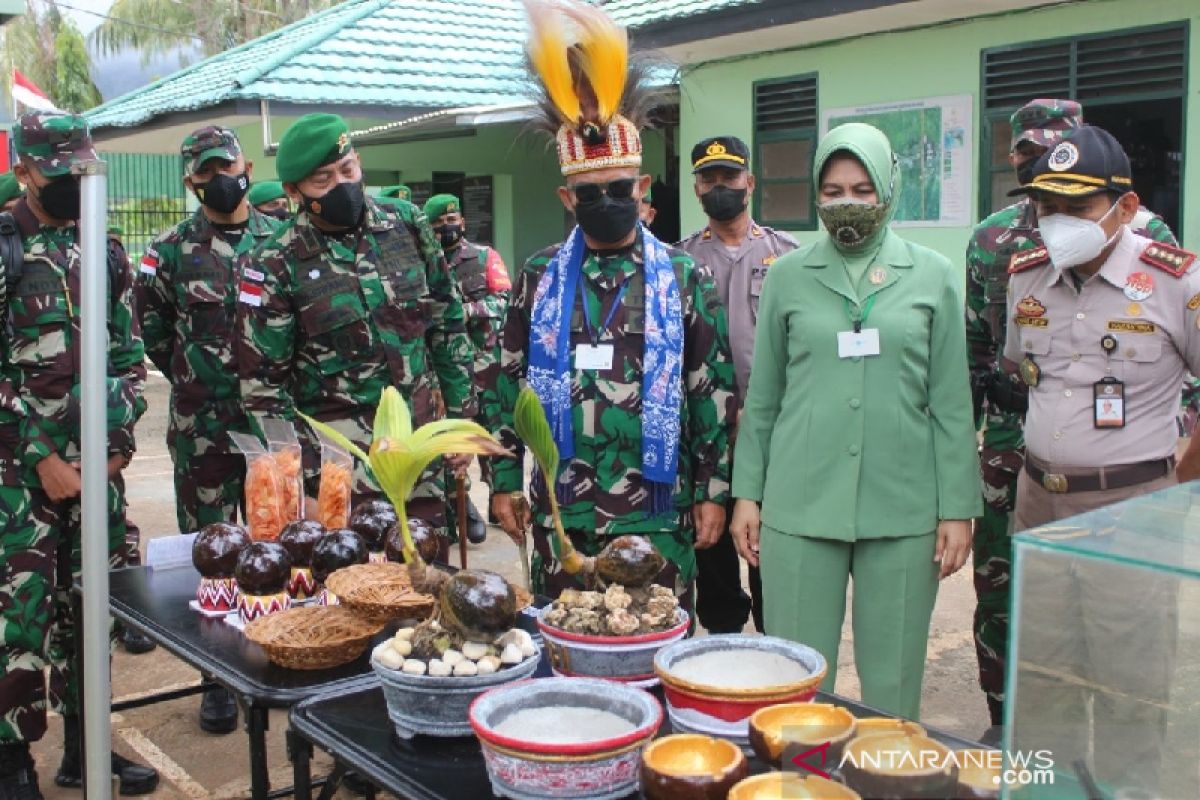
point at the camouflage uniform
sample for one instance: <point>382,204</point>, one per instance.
<point>187,290</point>
<point>327,321</point>
<point>39,416</point>
<point>999,400</point>
<point>608,497</point>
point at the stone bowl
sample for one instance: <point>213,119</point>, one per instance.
<point>626,659</point>
<point>725,710</point>
<point>529,768</point>
<point>436,706</point>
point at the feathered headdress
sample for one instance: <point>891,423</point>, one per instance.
<point>592,96</point>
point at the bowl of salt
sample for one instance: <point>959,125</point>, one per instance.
<point>713,684</point>
<point>559,738</point>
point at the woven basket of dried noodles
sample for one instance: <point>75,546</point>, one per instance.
<point>379,592</point>
<point>312,637</point>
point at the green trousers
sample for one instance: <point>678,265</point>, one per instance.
<point>895,585</point>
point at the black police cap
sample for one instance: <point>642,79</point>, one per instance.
<point>720,151</point>
<point>1086,162</point>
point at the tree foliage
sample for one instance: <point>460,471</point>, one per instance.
<point>49,50</point>
<point>211,25</point>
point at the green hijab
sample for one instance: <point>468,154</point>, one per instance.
<point>870,146</point>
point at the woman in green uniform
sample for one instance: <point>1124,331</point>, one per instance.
<point>857,438</point>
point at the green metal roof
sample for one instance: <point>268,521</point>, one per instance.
<point>430,54</point>
<point>635,13</point>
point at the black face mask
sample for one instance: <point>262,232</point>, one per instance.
<point>449,235</point>
<point>608,221</point>
<point>1025,171</point>
<point>223,193</point>
<point>277,213</point>
<point>342,206</point>
<point>60,197</point>
<point>722,203</point>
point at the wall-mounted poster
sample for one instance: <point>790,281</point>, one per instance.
<point>932,140</point>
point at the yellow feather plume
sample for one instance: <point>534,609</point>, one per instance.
<point>547,50</point>
<point>604,55</point>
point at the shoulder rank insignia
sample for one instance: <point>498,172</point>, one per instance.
<point>1171,260</point>
<point>1027,259</point>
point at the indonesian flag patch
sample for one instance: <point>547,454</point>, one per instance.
<point>250,294</point>
<point>149,265</point>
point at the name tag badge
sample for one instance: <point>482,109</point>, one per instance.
<point>594,356</point>
<point>1108,396</point>
<point>858,343</point>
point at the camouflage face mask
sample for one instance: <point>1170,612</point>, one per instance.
<point>852,222</point>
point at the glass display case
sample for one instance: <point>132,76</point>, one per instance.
<point>1104,654</point>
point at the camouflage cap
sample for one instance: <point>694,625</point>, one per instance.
<point>10,188</point>
<point>211,141</point>
<point>53,142</point>
<point>1044,121</point>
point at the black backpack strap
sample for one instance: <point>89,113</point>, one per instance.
<point>12,265</point>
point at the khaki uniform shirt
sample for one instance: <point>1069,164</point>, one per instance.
<point>739,277</point>
<point>1152,313</point>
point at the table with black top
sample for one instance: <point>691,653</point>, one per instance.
<point>352,725</point>
<point>155,603</point>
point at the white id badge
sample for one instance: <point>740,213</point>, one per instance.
<point>594,356</point>
<point>858,343</point>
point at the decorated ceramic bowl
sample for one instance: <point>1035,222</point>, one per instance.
<point>564,738</point>
<point>713,684</point>
<point>628,659</point>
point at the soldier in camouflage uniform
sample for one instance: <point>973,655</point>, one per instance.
<point>1000,399</point>
<point>345,299</point>
<point>624,341</point>
<point>187,287</point>
<point>40,451</point>
<point>483,281</point>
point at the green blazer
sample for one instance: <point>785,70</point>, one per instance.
<point>862,447</point>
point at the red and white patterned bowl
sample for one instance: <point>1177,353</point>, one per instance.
<point>253,606</point>
<point>217,594</point>
<point>301,585</point>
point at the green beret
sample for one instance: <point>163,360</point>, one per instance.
<point>10,189</point>
<point>265,192</point>
<point>116,230</point>
<point>399,190</point>
<point>442,204</point>
<point>313,141</point>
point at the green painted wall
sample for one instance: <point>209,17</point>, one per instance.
<point>930,62</point>
<point>527,212</point>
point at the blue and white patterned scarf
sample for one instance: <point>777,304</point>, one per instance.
<point>662,359</point>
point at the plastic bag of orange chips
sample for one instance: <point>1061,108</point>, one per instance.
<point>265,512</point>
<point>333,493</point>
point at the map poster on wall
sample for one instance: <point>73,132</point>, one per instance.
<point>932,140</point>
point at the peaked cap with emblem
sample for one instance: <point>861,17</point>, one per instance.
<point>211,141</point>
<point>592,94</point>
<point>442,204</point>
<point>53,142</point>
<point>1045,121</point>
<point>1087,162</point>
<point>720,151</point>
<point>312,141</point>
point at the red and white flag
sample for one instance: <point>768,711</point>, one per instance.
<point>26,92</point>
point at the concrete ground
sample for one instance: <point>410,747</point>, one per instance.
<point>200,766</point>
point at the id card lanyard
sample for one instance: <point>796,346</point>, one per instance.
<point>1108,393</point>
<point>860,341</point>
<point>597,356</point>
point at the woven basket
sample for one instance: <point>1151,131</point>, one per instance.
<point>313,637</point>
<point>379,592</point>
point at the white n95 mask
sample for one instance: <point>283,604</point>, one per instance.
<point>1072,241</point>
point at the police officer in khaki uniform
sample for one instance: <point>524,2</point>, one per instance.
<point>1102,328</point>
<point>738,251</point>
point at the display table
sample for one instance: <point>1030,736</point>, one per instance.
<point>155,603</point>
<point>352,725</point>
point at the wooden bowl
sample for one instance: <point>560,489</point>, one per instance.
<point>773,728</point>
<point>688,766</point>
<point>312,637</point>
<point>869,725</point>
<point>899,766</point>
<point>790,786</point>
<point>979,773</point>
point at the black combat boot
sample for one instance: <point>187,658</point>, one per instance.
<point>134,778</point>
<point>18,781</point>
<point>218,711</point>
<point>476,527</point>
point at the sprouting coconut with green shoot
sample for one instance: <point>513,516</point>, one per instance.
<point>397,457</point>
<point>627,560</point>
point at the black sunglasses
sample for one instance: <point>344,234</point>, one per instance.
<point>587,193</point>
